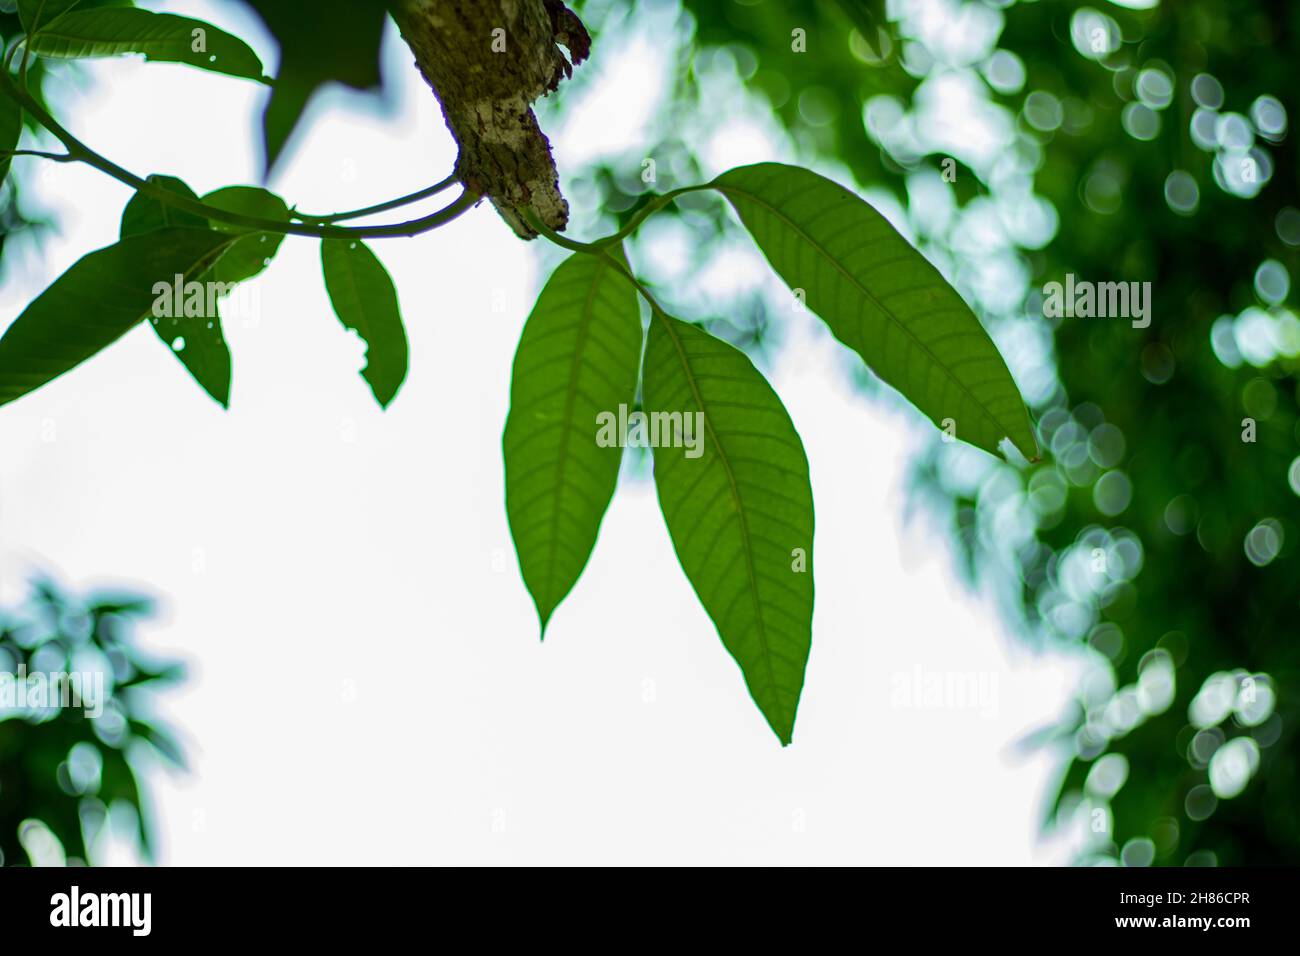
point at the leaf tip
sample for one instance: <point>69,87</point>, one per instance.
<point>543,618</point>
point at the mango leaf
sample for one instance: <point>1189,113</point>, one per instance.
<point>366,302</point>
<point>197,339</point>
<point>738,503</point>
<point>883,299</point>
<point>11,129</point>
<point>252,253</point>
<point>112,31</point>
<point>321,41</point>
<point>33,14</point>
<point>145,214</point>
<point>97,301</point>
<point>576,364</point>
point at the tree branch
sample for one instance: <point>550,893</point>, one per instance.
<point>80,152</point>
<point>488,61</point>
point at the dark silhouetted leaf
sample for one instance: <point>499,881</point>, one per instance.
<point>320,42</point>
<point>97,301</point>
<point>741,513</point>
<point>366,302</point>
<point>203,349</point>
<point>577,358</point>
<point>883,299</point>
<point>250,255</point>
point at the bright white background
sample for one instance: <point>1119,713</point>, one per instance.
<point>366,683</point>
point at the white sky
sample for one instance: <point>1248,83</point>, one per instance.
<point>366,684</point>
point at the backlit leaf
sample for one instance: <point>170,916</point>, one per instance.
<point>741,513</point>
<point>197,340</point>
<point>366,302</point>
<point>577,360</point>
<point>883,299</point>
<point>97,301</point>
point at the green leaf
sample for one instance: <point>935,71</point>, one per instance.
<point>96,302</point>
<point>198,330</point>
<point>883,299</point>
<point>112,31</point>
<point>320,42</point>
<point>366,302</point>
<point>577,359</point>
<point>33,14</point>
<point>250,255</point>
<point>145,213</point>
<point>740,513</point>
<point>11,129</point>
<point>203,351</point>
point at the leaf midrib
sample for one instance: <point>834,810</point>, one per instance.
<point>988,415</point>
<point>570,397</point>
<point>746,544</point>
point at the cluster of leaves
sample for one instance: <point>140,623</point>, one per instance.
<point>740,514</point>
<point>1157,404</point>
<point>179,254</point>
<point>1204,597</point>
<point>62,767</point>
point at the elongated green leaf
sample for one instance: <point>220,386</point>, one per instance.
<point>194,334</point>
<point>97,301</point>
<point>740,513</point>
<point>112,31</point>
<point>252,253</point>
<point>576,366</point>
<point>366,302</point>
<point>883,299</point>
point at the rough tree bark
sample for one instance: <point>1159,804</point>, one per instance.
<point>488,61</point>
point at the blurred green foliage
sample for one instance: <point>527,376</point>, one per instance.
<point>74,710</point>
<point>1017,143</point>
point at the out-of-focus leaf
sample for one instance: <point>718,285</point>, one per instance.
<point>577,359</point>
<point>161,740</point>
<point>320,41</point>
<point>118,782</point>
<point>741,513</point>
<point>883,299</point>
<point>366,302</point>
